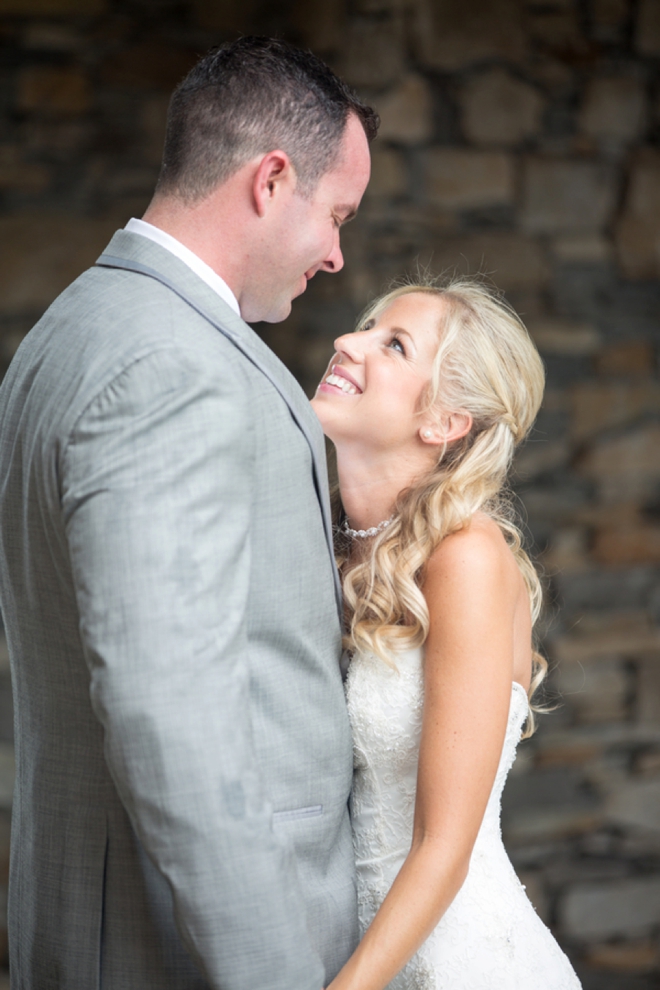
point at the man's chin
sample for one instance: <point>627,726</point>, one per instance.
<point>278,309</point>
<point>273,311</point>
<point>280,312</point>
<point>276,314</point>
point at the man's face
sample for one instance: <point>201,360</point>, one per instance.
<point>303,235</point>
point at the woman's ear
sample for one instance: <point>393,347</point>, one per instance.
<point>431,435</point>
<point>450,428</point>
<point>458,425</point>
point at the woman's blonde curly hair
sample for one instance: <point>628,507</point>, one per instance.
<point>486,365</point>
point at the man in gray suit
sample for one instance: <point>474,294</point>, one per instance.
<point>166,571</point>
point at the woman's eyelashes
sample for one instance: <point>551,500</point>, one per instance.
<point>394,342</point>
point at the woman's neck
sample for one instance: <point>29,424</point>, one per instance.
<point>371,483</point>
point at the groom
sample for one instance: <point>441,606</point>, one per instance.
<point>166,570</point>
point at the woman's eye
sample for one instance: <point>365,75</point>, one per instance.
<point>397,345</point>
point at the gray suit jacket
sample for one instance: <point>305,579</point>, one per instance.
<point>168,591</point>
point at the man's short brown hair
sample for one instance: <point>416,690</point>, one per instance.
<point>250,97</point>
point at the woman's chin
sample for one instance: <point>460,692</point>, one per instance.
<point>317,405</point>
<point>323,414</point>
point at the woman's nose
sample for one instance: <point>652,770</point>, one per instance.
<point>350,345</point>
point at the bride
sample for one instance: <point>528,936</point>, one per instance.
<point>425,405</point>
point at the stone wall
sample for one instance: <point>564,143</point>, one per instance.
<point>520,139</point>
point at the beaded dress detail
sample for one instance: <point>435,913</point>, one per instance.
<point>490,938</point>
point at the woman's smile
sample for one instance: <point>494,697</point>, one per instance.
<point>387,364</point>
<point>338,379</point>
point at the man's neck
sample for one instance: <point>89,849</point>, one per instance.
<point>203,229</point>
<point>188,257</point>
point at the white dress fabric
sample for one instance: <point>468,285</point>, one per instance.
<point>490,938</point>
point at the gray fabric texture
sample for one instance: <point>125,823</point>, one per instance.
<point>183,749</point>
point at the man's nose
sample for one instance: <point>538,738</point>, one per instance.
<point>334,260</point>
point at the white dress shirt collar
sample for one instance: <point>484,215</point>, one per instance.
<point>188,257</point>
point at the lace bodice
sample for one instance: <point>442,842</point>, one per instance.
<point>490,938</point>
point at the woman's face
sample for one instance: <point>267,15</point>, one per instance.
<point>372,388</point>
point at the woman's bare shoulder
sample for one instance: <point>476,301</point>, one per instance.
<point>479,550</point>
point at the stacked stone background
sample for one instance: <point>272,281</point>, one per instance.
<point>519,139</point>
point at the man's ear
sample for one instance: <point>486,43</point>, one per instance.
<point>274,171</point>
<point>449,428</point>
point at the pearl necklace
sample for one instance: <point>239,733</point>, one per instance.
<point>361,533</point>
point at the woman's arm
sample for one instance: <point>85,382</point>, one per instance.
<point>473,590</point>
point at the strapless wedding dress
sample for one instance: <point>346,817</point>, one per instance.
<point>490,938</point>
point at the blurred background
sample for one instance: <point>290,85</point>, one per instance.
<point>520,139</point>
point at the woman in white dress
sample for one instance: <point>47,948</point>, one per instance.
<point>425,405</point>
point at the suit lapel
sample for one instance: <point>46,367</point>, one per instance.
<point>261,356</point>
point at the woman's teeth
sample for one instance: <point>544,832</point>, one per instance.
<point>342,383</point>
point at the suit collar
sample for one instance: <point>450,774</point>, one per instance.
<point>133,247</point>
<point>133,252</point>
<point>189,258</point>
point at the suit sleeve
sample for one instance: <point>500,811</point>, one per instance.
<point>156,484</point>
